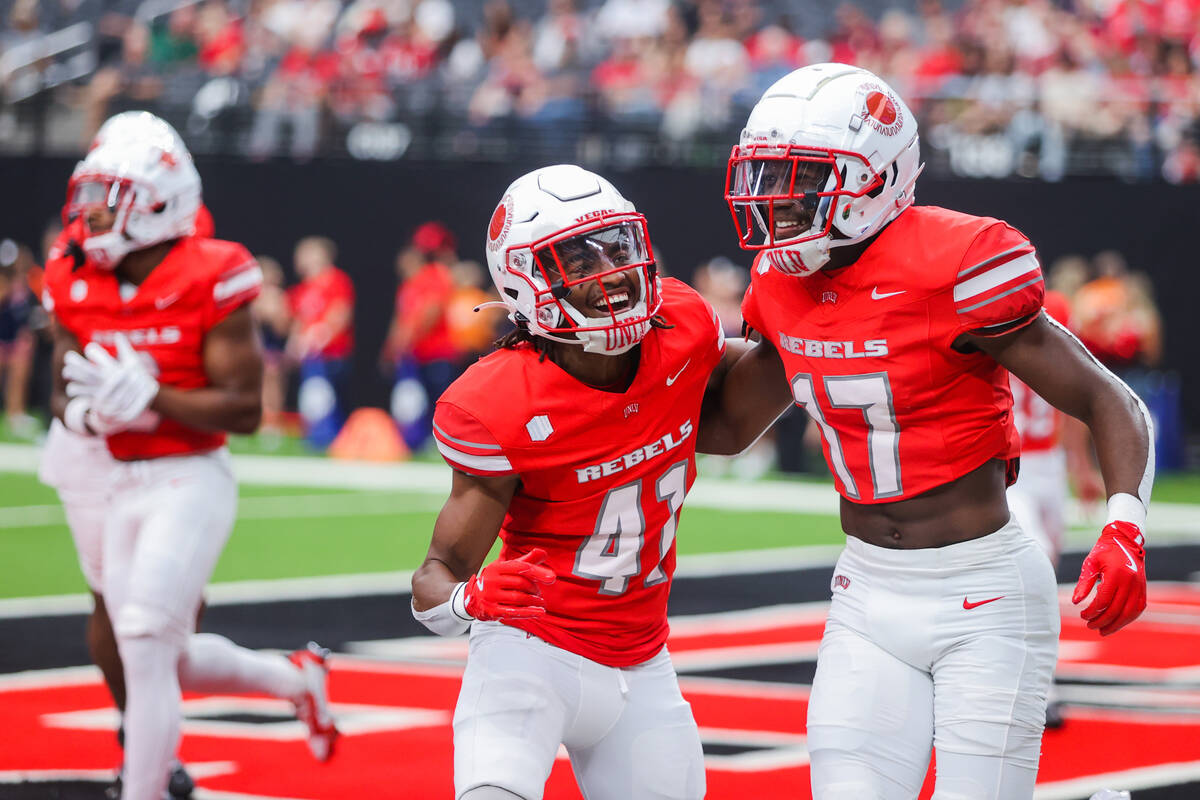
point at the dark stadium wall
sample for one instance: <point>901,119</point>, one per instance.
<point>370,208</point>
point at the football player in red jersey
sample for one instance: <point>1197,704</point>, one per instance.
<point>897,325</point>
<point>171,364</point>
<point>79,466</point>
<point>575,442</point>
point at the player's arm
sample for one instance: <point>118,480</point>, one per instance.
<point>233,363</point>
<point>449,589</point>
<point>746,393</point>
<point>1054,364</point>
<point>64,342</point>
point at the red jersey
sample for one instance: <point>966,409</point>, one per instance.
<point>198,284</point>
<point>868,349</point>
<point>1038,422</point>
<point>432,285</point>
<point>603,475</point>
<point>311,301</point>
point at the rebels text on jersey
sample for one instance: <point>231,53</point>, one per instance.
<point>198,284</point>
<point>603,475</point>
<point>868,349</point>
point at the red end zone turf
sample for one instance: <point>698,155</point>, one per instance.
<point>1136,707</point>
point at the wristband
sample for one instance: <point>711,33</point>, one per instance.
<point>75,415</point>
<point>458,603</point>
<point>449,618</point>
<point>1123,507</point>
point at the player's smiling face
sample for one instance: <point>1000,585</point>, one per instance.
<point>788,189</point>
<point>590,270</point>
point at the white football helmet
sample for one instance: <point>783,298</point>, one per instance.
<point>828,148</point>
<point>561,231</point>
<point>141,170</point>
<point>140,127</point>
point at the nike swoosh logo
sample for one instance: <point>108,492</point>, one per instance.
<point>162,302</point>
<point>672,379</point>
<point>967,605</point>
<point>1132,565</point>
<point>877,295</point>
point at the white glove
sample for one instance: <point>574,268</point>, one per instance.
<point>84,379</point>
<point>126,388</point>
<point>82,376</point>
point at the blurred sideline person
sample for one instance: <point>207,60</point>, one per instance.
<point>419,344</point>
<point>582,474</point>
<point>16,336</point>
<point>273,318</point>
<point>473,325</point>
<point>896,324</point>
<point>171,364</point>
<point>1053,445</point>
<point>322,336</point>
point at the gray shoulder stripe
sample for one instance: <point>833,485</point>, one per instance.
<point>1001,295</point>
<point>463,442</point>
<point>995,258</point>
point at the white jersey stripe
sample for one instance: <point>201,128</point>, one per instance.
<point>441,434</point>
<point>996,276</point>
<point>1000,296</point>
<point>995,258</point>
<point>481,463</point>
<point>237,284</point>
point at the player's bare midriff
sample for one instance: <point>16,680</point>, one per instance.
<point>966,508</point>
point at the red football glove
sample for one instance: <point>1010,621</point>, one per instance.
<point>509,589</point>
<point>1116,561</point>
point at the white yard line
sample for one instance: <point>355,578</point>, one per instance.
<point>424,478</point>
<point>1134,779</point>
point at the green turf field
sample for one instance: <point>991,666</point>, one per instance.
<point>326,532</point>
<point>285,532</point>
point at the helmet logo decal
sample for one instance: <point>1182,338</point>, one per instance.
<point>881,110</point>
<point>501,223</point>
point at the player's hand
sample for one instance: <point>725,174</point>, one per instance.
<point>128,388</point>
<point>82,376</point>
<point>509,589</point>
<point>1117,563</point>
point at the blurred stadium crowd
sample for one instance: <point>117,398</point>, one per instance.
<point>1035,88</point>
<point>308,334</point>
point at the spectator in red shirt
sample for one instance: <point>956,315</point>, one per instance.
<point>419,343</point>
<point>322,336</point>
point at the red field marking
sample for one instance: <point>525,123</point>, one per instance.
<point>784,634</point>
<point>416,762</point>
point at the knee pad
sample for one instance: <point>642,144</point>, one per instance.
<point>668,762</point>
<point>844,775</point>
<point>489,793</point>
<point>139,620</point>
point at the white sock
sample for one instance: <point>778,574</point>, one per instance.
<point>212,663</point>
<point>152,715</point>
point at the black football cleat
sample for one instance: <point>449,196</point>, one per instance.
<point>180,784</point>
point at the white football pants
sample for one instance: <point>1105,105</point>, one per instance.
<point>80,469</point>
<point>629,732</point>
<point>952,647</point>
<point>1038,499</point>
